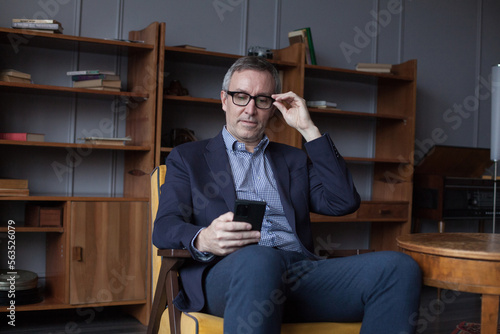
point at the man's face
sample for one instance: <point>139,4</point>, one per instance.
<point>247,124</point>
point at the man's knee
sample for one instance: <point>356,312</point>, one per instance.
<point>257,259</point>
<point>403,266</point>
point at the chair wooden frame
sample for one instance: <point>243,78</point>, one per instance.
<point>166,289</point>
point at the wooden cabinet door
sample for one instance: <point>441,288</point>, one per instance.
<point>109,243</point>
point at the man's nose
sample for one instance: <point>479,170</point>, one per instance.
<point>251,108</point>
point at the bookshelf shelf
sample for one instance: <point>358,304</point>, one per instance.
<point>50,303</point>
<point>346,113</point>
<point>35,229</point>
<point>21,37</point>
<point>31,88</point>
<point>76,146</point>
<point>354,75</point>
<point>371,211</point>
<point>191,99</point>
<point>179,54</point>
<point>62,198</point>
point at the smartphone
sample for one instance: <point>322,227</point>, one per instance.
<point>250,212</point>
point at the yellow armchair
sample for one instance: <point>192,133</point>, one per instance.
<point>165,285</point>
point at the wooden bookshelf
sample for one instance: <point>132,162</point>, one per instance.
<point>392,119</point>
<point>120,221</point>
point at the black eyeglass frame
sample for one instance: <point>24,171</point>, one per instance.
<point>232,93</point>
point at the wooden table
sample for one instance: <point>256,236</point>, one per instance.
<point>468,262</point>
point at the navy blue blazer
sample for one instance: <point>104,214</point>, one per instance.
<point>199,187</point>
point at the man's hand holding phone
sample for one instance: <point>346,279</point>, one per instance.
<point>226,234</point>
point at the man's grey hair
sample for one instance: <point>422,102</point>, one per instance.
<point>255,64</point>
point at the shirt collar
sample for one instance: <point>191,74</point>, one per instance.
<point>233,145</point>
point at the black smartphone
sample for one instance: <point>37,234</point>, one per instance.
<point>250,212</point>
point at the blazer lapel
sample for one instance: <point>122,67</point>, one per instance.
<point>220,169</point>
<point>282,175</point>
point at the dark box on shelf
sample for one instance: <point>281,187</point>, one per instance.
<point>43,216</point>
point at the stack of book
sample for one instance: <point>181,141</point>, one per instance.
<point>14,76</point>
<point>96,79</point>
<point>14,187</point>
<point>39,25</point>
<point>374,67</point>
<point>304,36</point>
<point>22,136</point>
<point>322,105</point>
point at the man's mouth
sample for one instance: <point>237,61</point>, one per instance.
<point>248,122</point>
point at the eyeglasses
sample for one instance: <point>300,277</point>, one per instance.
<point>242,99</point>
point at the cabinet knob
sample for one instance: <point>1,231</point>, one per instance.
<point>384,211</point>
<point>77,254</point>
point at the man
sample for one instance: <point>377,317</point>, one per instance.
<point>257,280</point>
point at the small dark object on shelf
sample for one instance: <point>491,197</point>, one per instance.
<point>176,89</point>
<point>260,51</point>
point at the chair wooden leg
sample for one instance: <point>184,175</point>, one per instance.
<point>166,289</point>
<point>159,301</point>
<point>174,314</point>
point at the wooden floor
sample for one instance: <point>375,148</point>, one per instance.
<point>436,317</point>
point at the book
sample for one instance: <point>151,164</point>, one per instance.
<point>43,31</point>
<point>85,72</point>
<point>304,35</point>
<point>14,73</point>
<point>320,104</point>
<point>13,183</point>
<point>14,192</point>
<point>299,36</point>
<point>22,136</point>
<point>328,108</point>
<point>41,26</point>
<point>97,83</point>
<point>125,40</point>
<point>94,76</point>
<point>191,47</point>
<point>107,141</point>
<point>310,44</point>
<point>113,89</point>
<point>9,78</point>
<point>35,21</point>
<point>374,67</point>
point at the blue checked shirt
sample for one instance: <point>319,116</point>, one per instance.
<point>254,180</point>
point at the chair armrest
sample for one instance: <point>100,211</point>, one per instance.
<point>181,253</point>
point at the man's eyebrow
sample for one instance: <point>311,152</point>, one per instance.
<point>246,92</point>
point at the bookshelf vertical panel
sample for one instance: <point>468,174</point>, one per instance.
<point>141,115</point>
<point>159,93</point>
<point>292,80</point>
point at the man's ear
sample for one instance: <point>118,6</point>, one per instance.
<point>223,99</point>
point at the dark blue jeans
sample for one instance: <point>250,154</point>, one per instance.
<point>257,288</point>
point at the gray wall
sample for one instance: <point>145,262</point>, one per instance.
<point>454,41</point>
